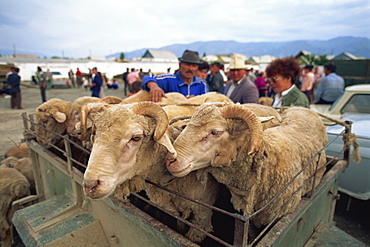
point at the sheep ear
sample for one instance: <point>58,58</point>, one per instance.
<point>165,141</point>
<point>265,119</point>
<point>59,116</point>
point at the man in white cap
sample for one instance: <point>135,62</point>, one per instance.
<point>240,89</point>
<point>184,81</point>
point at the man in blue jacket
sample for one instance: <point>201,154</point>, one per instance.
<point>97,82</point>
<point>184,81</point>
<point>13,83</point>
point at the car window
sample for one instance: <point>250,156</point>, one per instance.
<point>335,102</point>
<point>359,103</point>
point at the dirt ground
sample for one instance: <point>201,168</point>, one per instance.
<point>11,123</point>
<point>354,219</point>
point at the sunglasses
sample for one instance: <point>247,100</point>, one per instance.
<point>272,79</point>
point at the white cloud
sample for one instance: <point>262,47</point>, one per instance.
<point>79,28</point>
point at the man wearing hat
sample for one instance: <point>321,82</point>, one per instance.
<point>184,81</point>
<point>240,89</point>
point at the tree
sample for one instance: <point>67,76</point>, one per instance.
<point>321,60</point>
<point>308,59</point>
<point>122,56</point>
<point>204,54</point>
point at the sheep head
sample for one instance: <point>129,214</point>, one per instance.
<point>125,133</point>
<point>53,116</point>
<point>213,137</point>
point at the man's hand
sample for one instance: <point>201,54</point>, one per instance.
<point>156,93</point>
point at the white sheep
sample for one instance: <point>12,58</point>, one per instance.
<point>13,185</point>
<point>130,146</point>
<point>143,95</point>
<point>61,116</point>
<point>175,105</point>
<point>254,164</point>
<point>23,165</point>
<point>18,151</point>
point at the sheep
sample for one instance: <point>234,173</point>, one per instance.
<point>143,95</point>
<point>52,115</point>
<point>265,101</point>
<point>208,97</point>
<point>254,163</point>
<point>13,185</point>
<point>183,107</point>
<point>19,151</point>
<point>130,146</point>
<point>61,116</point>
<point>23,165</point>
<point>188,106</point>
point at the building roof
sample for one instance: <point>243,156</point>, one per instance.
<point>168,55</point>
<point>301,53</point>
<point>261,59</point>
<point>345,56</point>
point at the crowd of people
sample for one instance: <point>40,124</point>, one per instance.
<point>284,81</point>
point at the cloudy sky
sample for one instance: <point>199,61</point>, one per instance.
<point>80,28</point>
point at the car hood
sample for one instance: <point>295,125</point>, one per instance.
<point>324,109</point>
<point>360,124</point>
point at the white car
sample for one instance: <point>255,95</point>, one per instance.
<point>60,80</point>
<point>354,106</point>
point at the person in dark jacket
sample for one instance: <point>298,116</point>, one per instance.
<point>97,82</point>
<point>13,84</point>
<point>240,89</point>
<point>215,80</point>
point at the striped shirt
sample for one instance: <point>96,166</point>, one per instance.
<point>329,88</point>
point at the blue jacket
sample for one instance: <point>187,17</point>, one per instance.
<point>14,80</point>
<point>96,89</point>
<point>174,83</point>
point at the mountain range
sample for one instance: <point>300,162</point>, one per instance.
<point>357,46</point>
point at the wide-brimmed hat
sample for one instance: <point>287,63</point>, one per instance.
<point>190,57</point>
<point>237,62</point>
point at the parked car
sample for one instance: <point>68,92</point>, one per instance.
<point>60,80</point>
<point>354,106</point>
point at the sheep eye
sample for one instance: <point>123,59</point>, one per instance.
<point>216,133</point>
<point>136,138</point>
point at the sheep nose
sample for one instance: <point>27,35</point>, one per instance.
<point>170,163</point>
<point>90,188</point>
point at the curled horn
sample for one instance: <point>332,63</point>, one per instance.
<point>153,110</point>
<point>83,121</point>
<point>85,111</point>
<point>254,124</point>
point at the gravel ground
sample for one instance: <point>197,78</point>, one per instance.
<point>355,220</point>
<point>11,123</point>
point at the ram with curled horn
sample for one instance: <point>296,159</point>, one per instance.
<point>130,146</point>
<point>254,161</point>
